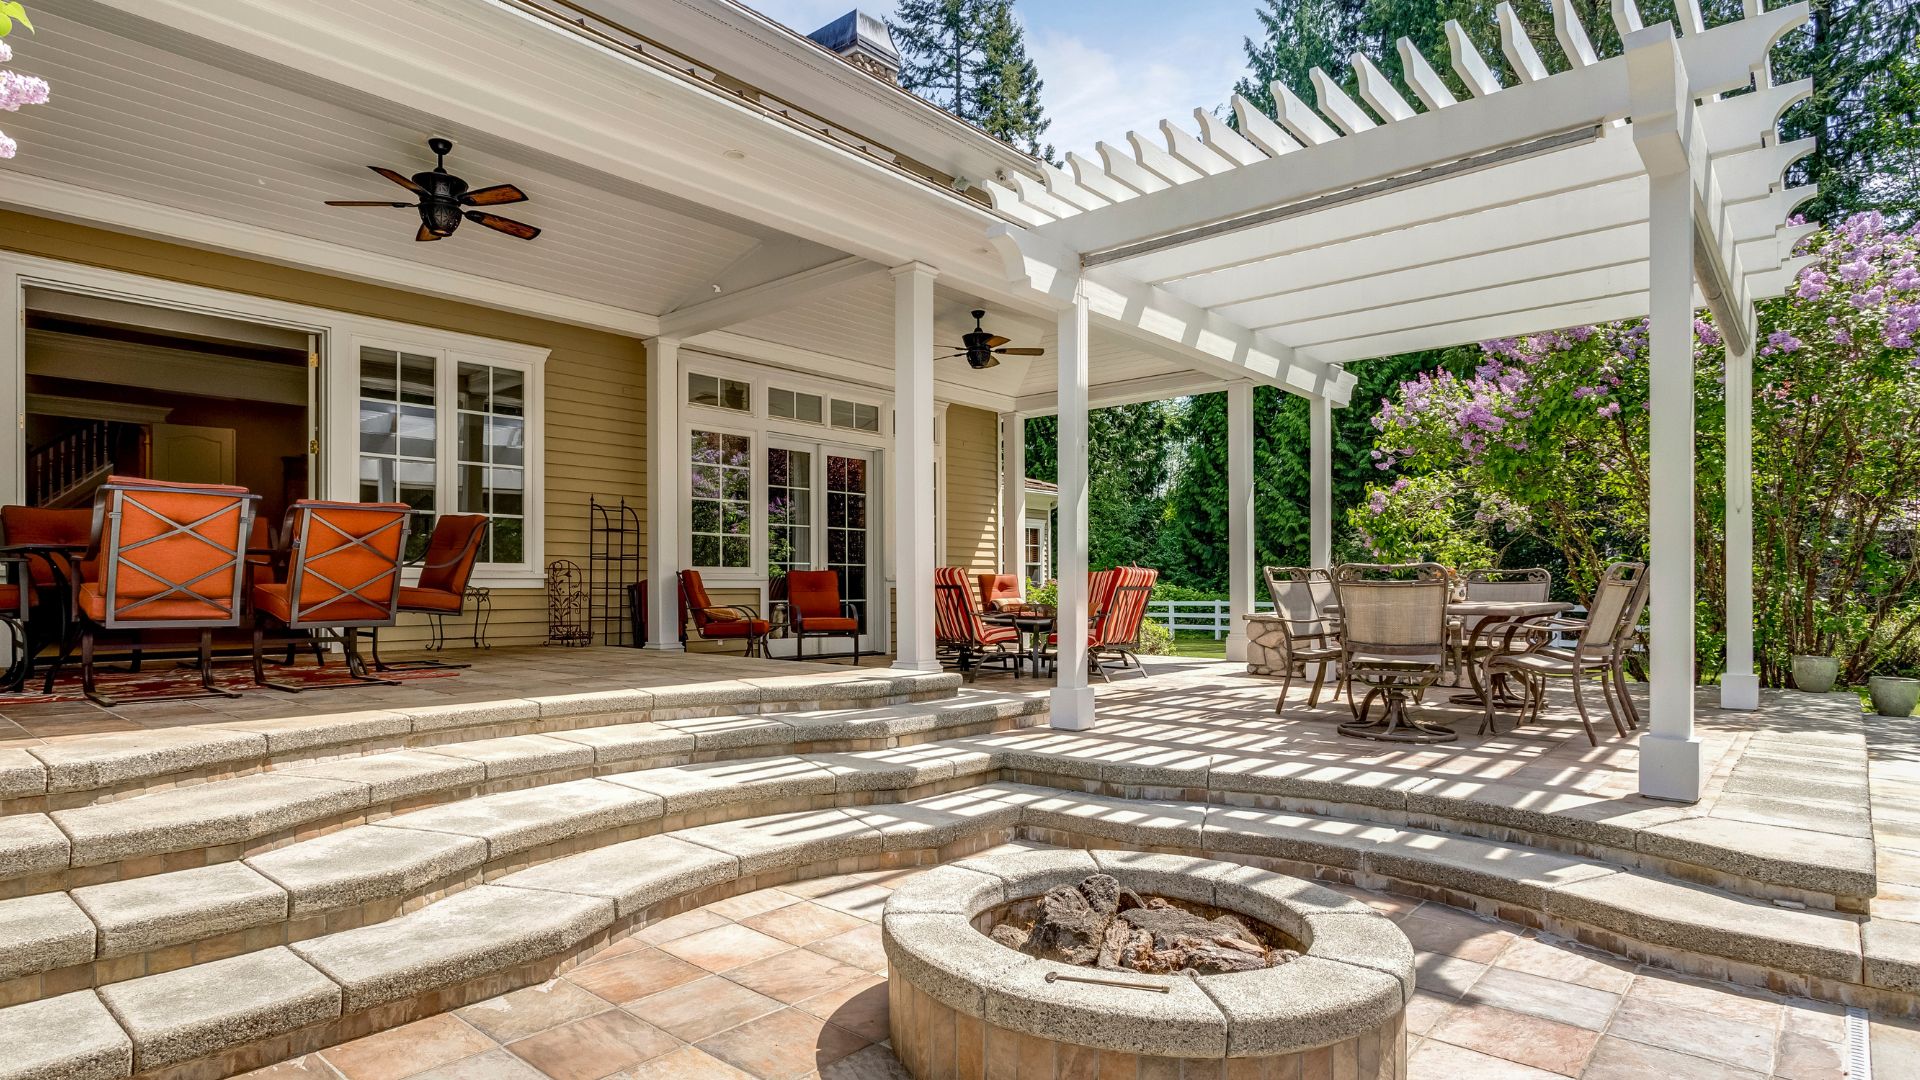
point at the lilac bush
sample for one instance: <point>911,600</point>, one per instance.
<point>16,89</point>
<point>1544,437</point>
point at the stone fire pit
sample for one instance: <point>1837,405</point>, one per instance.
<point>969,1008</point>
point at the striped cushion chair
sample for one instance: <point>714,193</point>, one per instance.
<point>958,626</point>
<point>1100,585</point>
<point>1115,634</point>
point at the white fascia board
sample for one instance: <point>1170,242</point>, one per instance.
<point>84,206</point>
<point>824,365</point>
<point>1584,97</point>
<point>584,110</point>
<point>1587,312</point>
<point>765,299</point>
<point>1127,392</point>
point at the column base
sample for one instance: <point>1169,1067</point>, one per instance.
<point>1071,708</point>
<point>664,646</point>
<point>1237,646</point>
<point>1739,691</point>
<point>1671,768</point>
<point>917,665</point>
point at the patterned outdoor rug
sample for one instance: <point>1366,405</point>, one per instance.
<point>165,677</point>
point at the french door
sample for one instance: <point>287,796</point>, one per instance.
<point>820,517</point>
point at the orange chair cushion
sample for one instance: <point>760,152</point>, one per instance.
<point>35,525</point>
<point>736,628</point>
<point>835,625</point>
<point>93,604</point>
<point>413,599</point>
<point>9,599</point>
<point>270,599</point>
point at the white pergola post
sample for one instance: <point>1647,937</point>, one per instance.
<point>665,459</point>
<point>1240,519</point>
<point>1013,496</point>
<point>1071,704</point>
<point>914,544</point>
<point>1320,482</point>
<point>1739,685</point>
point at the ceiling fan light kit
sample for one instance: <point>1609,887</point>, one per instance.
<point>445,200</point>
<point>984,349</point>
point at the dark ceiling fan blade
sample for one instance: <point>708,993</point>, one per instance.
<point>991,363</point>
<point>996,341</point>
<point>398,179</point>
<point>497,195</point>
<point>426,234</point>
<point>364,202</point>
<point>1021,352</point>
<point>505,225</point>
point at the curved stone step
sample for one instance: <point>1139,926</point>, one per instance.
<point>245,814</point>
<point>82,770</point>
<point>523,927</point>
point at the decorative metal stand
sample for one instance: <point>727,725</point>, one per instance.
<point>567,605</point>
<point>614,550</point>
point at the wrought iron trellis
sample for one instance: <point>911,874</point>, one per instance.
<point>567,604</point>
<point>615,548</point>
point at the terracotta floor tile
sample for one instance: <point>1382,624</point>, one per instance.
<point>1425,1008</point>
<point>1580,1006</point>
<point>1748,1007</point>
<point>1689,1031</point>
<point>862,901</point>
<point>492,1065</point>
<point>872,1063</point>
<point>859,1006</point>
<point>634,976</point>
<point>1797,1057</point>
<point>1529,1040</point>
<point>304,1067</point>
<point>686,1063</point>
<point>1619,1059</point>
<point>1393,907</point>
<point>1567,963</point>
<point>679,926</point>
<point>803,923</point>
<point>746,905</point>
<point>1442,974</point>
<point>859,948</point>
<point>725,947</point>
<point>783,1045</point>
<point>532,1009</point>
<point>704,1007</point>
<point>591,1048</point>
<point>795,975</point>
<point>1457,934</point>
<point>1435,1060</point>
<point>408,1049</point>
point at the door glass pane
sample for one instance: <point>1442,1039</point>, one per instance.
<point>846,525</point>
<point>789,510</point>
<point>399,436</point>
<point>492,455</point>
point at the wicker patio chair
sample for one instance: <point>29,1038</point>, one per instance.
<point>1393,640</point>
<point>1599,650</point>
<point>958,627</point>
<point>1308,635</point>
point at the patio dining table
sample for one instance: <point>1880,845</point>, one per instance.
<point>1479,618</point>
<point>1034,626</point>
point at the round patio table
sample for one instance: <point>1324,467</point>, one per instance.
<point>1033,627</point>
<point>1482,616</point>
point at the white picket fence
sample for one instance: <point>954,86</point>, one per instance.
<point>1216,618</point>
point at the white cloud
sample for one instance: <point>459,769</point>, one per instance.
<point>1092,94</point>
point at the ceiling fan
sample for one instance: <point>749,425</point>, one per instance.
<point>982,349</point>
<point>444,199</point>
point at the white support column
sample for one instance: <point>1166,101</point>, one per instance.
<point>1013,496</point>
<point>1240,520</point>
<point>1670,758</point>
<point>913,491</point>
<point>1072,700</point>
<point>1320,482</point>
<point>1739,685</point>
<point>665,461</point>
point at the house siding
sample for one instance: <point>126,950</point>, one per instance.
<point>973,489</point>
<point>595,381</point>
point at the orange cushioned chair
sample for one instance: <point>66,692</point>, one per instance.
<point>48,573</point>
<point>453,550</point>
<point>715,623</point>
<point>160,556</point>
<point>998,592</point>
<point>13,617</point>
<point>343,574</point>
<point>816,610</point>
<point>957,625</point>
<point>1118,600</point>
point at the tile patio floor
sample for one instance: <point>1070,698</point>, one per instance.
<point>789,983</point>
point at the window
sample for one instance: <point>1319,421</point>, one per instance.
<point>856,416</point>
<point>719,393</point>
<point>445,433</point>
<point>491,403</point>
<point>1034,555</point>
<point>789,510</point>
<point>793,405</point>
<point>399,436</point>
<point>721,505</point>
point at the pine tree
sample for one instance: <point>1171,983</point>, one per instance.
<point>1300,35</point>
<point>969,57</point>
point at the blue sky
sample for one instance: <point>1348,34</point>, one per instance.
<point>1110,66</point>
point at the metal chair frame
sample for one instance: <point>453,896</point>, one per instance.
<point>1309,640</point>
<point>437,620</point>
<point>300,520</point>
<point>1397,671</point>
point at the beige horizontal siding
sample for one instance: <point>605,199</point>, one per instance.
<point>973,489</point>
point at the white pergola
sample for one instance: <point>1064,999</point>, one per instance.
<point>1625,185</point>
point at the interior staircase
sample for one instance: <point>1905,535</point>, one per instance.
<point>65,472</point>
<point>199,901</point>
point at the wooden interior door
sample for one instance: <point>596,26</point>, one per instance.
<point>193,455</point>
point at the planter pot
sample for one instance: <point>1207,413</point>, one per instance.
<point>1892,695</point>
<point>1815,674</point>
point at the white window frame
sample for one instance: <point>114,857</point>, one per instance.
<point>337,396</point>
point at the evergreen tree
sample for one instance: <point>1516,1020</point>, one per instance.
<point>1298,36</point>
<point>1006,98</point>
<point>969,57</point>
<point>1132,450</point>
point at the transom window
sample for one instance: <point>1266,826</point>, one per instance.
<point>856,415</point>
<point>794,405</point>
<point>719,393</point>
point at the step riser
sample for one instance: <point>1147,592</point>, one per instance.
<point>1780,886</point>
<point>437,736</point>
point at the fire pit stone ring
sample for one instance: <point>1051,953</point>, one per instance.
<point>967,1007</point>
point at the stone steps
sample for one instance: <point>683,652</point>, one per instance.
<point>223,820</point>
<point>219,1016</point>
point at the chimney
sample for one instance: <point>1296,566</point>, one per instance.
<point>863,41</point>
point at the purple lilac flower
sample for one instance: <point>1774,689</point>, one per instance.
<point>1784,341</point>
<point>17,90</point>
<point>1906,278</point>
<point>1855,272</point>
<point>1813,285</point>
<point>1377,502</point>
<point>1611,408</point>
<point>7,146</point>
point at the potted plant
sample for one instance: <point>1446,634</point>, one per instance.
<point>1893,695</point>
<point>1815,674</point>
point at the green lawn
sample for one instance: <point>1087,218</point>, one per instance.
<point>1200,646</point>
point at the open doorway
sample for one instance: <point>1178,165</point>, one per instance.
<point>120,388</point>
